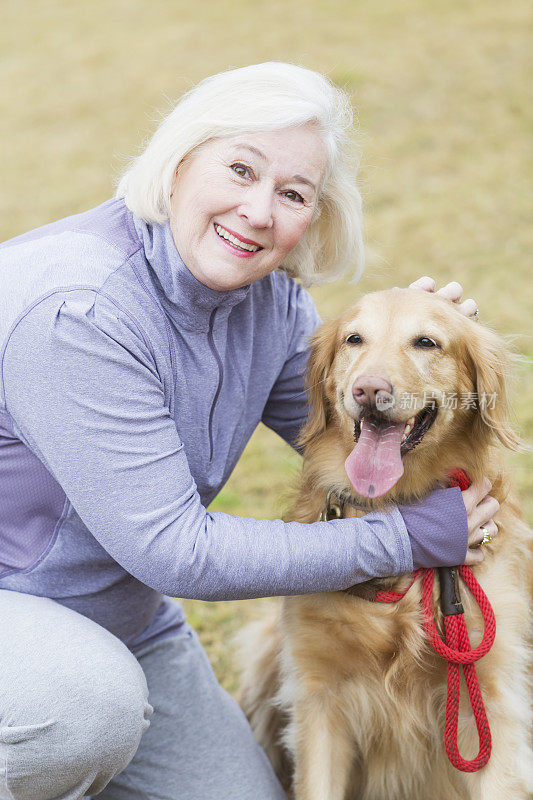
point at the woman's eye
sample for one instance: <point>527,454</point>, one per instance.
<point>292,195</point>
<point>354,338</point>
<point>426,343</point>
<point>240,169</point>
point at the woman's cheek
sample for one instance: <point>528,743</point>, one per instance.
<point>297,232</point>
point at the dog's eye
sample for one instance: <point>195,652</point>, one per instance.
<point>426,343</point>
<point>354,338</point>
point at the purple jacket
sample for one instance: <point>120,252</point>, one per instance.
<point>128,391</point>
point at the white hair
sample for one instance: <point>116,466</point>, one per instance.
<point>263,97</point>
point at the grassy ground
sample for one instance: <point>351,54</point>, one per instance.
<point>444,107</point>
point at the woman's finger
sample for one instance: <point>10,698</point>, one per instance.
<point>480,507</point>
<point>476,551</point>
<point>452,291</point>
<point>425,282</point>
<point>483,513</point>
<point>479,535</point>
<point>474,557</point>
<point>475,494</point>
<point>468,308</point>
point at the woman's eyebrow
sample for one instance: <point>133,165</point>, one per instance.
<point>251,148</point>
<point>306,181</point>
<point>257,152</point>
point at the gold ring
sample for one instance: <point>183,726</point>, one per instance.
<point>487,536</point>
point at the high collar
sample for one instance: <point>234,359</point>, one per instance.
<point>188,300</point>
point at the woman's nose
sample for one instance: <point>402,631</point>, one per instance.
<point>257,207</point>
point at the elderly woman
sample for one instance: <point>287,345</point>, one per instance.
<point>142,343</point>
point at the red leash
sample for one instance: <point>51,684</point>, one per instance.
<point>456,649</point>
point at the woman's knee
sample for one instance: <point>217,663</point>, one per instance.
<point>85,740</point>
<point>111,716</point>
<point>74,710</point>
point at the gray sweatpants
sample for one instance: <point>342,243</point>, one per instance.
<point>80,715</point>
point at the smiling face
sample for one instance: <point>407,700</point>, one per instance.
<point>240,204</point>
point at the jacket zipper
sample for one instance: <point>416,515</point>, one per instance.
<point>211,340</point>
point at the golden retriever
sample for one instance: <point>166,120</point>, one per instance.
<point>346,695</point>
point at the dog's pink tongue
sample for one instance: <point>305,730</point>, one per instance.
<point>375,463</point>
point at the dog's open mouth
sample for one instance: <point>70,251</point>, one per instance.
<point>375,463</point>
<point>413,430</point>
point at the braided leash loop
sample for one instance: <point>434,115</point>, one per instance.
<point>458,653</point>
<point>450,652</point>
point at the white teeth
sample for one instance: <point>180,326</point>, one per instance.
<point>407,430</point>
<point>224,234</point>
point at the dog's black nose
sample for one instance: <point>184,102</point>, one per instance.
<point>372,391</point>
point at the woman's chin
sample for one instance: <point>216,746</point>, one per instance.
<point>227,275</point>
<point>228,282</point>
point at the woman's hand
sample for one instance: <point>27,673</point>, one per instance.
<point>452,291</point>
<point>480,510</point>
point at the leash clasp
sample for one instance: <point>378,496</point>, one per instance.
<point>332,509</point>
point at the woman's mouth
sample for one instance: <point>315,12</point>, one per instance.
<point>235,242</point>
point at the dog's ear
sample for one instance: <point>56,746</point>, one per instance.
<point>323,348</point>
<point>492,363</point>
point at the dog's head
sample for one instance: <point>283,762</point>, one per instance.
<point>412,389</point>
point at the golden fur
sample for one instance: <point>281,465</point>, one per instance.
<point>345,695</point>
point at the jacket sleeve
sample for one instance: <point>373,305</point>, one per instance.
<point>84,394</point>
<point>286,408</point>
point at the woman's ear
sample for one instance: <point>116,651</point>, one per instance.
<point>492,362</point>
<point>323,348</point>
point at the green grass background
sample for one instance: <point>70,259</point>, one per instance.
<point>443,94</point>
